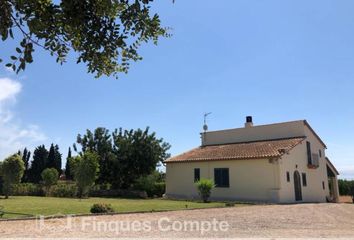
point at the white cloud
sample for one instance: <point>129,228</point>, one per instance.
<point>8,89</point>
<point>13,134</point>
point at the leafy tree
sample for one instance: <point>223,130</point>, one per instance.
<point>138,153</point>
<point>11,171</point>
<point>50,177</point>
<point>124,155</point>
<point>40,156</point>
<point>100,142</point>
<point>86,169</point>
<point>68,172</point>
<point>105,35</point>
<point>205,186</point>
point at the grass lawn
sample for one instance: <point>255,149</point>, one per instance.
<point>51,206</point>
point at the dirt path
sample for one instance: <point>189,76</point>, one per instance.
<point>302,220</point>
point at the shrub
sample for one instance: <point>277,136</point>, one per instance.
<point>150,185</point>
<point>229,204</point>
<point>63,190</point>
<point>101,208</point>
<point>27,189</point>
<point>159,189</point>
<point>204,187</point>
<point>50,177</point>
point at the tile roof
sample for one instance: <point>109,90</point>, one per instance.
<point>237,151</point>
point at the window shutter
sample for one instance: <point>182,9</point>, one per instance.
<point>287,176</point>
<point>217,177</point>
<point>196,174</point>
<point>304,179</point>
<point>226,178</point>
<point>309,153</point>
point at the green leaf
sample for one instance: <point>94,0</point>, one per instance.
<point>18,50</point>
<point>8,65</point>
<point>13,58</point>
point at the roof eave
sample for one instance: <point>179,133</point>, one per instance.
<point>314,133</point>
<point>223,159</point>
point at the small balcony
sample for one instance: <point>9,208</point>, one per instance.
<point>315,161</point>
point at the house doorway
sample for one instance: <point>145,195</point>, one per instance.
<point>297,186</point>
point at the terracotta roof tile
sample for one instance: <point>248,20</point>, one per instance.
<point>236,151</point>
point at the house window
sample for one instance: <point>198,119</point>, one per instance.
<point>323,185</point>
<point>288,176</point>
<point>221,177</point>
<point>309,153</point>
<point>320,153</point>
<point>196,174</point>
<point>304,180</point>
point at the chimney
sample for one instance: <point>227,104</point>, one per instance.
<point>249,122</point>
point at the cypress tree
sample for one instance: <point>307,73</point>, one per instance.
<point>40,156</point>
<point>26,155</point>
<point>57,159</point>
<point>50,163</point>
<point>68,173</point>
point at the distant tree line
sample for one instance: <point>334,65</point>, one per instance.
<point>120,159</point>
<point>346,187</point>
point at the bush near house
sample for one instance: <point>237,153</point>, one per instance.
<point>205,186</point>
<point>151,184</point>
<point>159,189</point>
<point>101,208</point>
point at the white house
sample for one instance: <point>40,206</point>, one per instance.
<point>279,163</point>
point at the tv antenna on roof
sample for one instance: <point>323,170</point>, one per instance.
<point>205,126</point>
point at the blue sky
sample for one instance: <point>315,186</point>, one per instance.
<point>275,60</point>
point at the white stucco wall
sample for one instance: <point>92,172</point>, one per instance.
<point>250,180</point>
<point>255,133</point>
<point>297,160</point>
